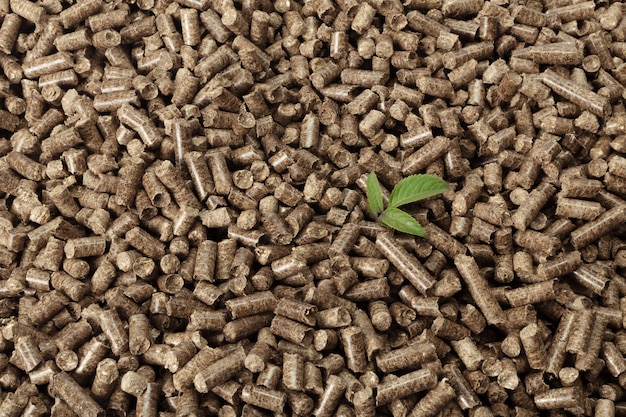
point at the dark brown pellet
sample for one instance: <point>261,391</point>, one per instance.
<point>329,399</point>
<point>399,387</point>
<point>479,289</point>
<point>220,371</point>
<point>79,400</point>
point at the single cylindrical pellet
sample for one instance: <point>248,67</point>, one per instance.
<point>434,400</point>
<point>146,243</point>
<point>76,290</point>
<point>329,399</point>
<point>114,331</point>
<point>293,371</point>
<point>533,346</point>
<point>400,387</point>
<point>107,374</point>
<point>567,397</point>
<point>220,371</point>
<point>263,397</point>
<point>85,247</point>
<point>479,289</point>
<point>139,334</point>
<point>28,353</point>
<point>406,357</point>
<point>248,305</point>
<point>531,294</point>
<point>410,268</point>
<point>291,330</point>
<point>79,401</point>
<point>297,310</point>
<point>246,326</point>
<point>353,343</point>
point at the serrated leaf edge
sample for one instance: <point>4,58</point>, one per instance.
<point>374,195</point>
<point>422,195</point>
<point>390,212</point>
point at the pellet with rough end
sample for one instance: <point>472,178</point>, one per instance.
<point>353,342</point>
<point>85,247</point>
<point>425,155</point>
<point>407,357</point>
<point>73,394</point>
<point>297,310</point>
<point>567,397</point>
<point>139,334</point>
<point>560,265</point>
<point>146,243</point>
<point>479,289</point>
<point>220,371</point>
<point>249,305</point>
<point>533,346</point>
<point>333,317</point>
<point>468,352</point>
<point>263,397</point>
<point>238,329</point>
<point>531,293</point>
<point>107,373</point>
<point>600,226</point>
<point>113,328</point>
<point>330,397</point>
<point>292,330</point>
<point>408,265</point>
<point>405,385</point>
<point>75,289</point>
<point>435,400</point>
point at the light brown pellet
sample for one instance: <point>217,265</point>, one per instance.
<point>569,397</point>
<point>406,357</point>
<point>270,375</point>
<point>113,328</point>
<point>264,397</point>
<point>85,247</point>
<point>410,268</point>
<point>28,354</point>
<point>144,242</point>
<point>293,371</point>
<point>139,338</point>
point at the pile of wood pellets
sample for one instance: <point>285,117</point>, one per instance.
<point>184,228</point>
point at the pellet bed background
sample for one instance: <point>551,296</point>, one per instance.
<point>184,229</point>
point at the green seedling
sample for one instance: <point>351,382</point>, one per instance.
<point>409,190</point>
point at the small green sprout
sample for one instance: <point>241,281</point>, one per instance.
<point>409,190</point>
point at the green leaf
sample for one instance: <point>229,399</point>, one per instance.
<point>374,195</point>
<point>401,221</point>
<point>416,188</point>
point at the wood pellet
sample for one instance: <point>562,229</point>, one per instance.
<point>184,226</point>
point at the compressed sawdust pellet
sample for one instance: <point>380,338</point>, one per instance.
<point>184,225</point>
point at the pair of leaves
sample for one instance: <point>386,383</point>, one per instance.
<point>409,190</point>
